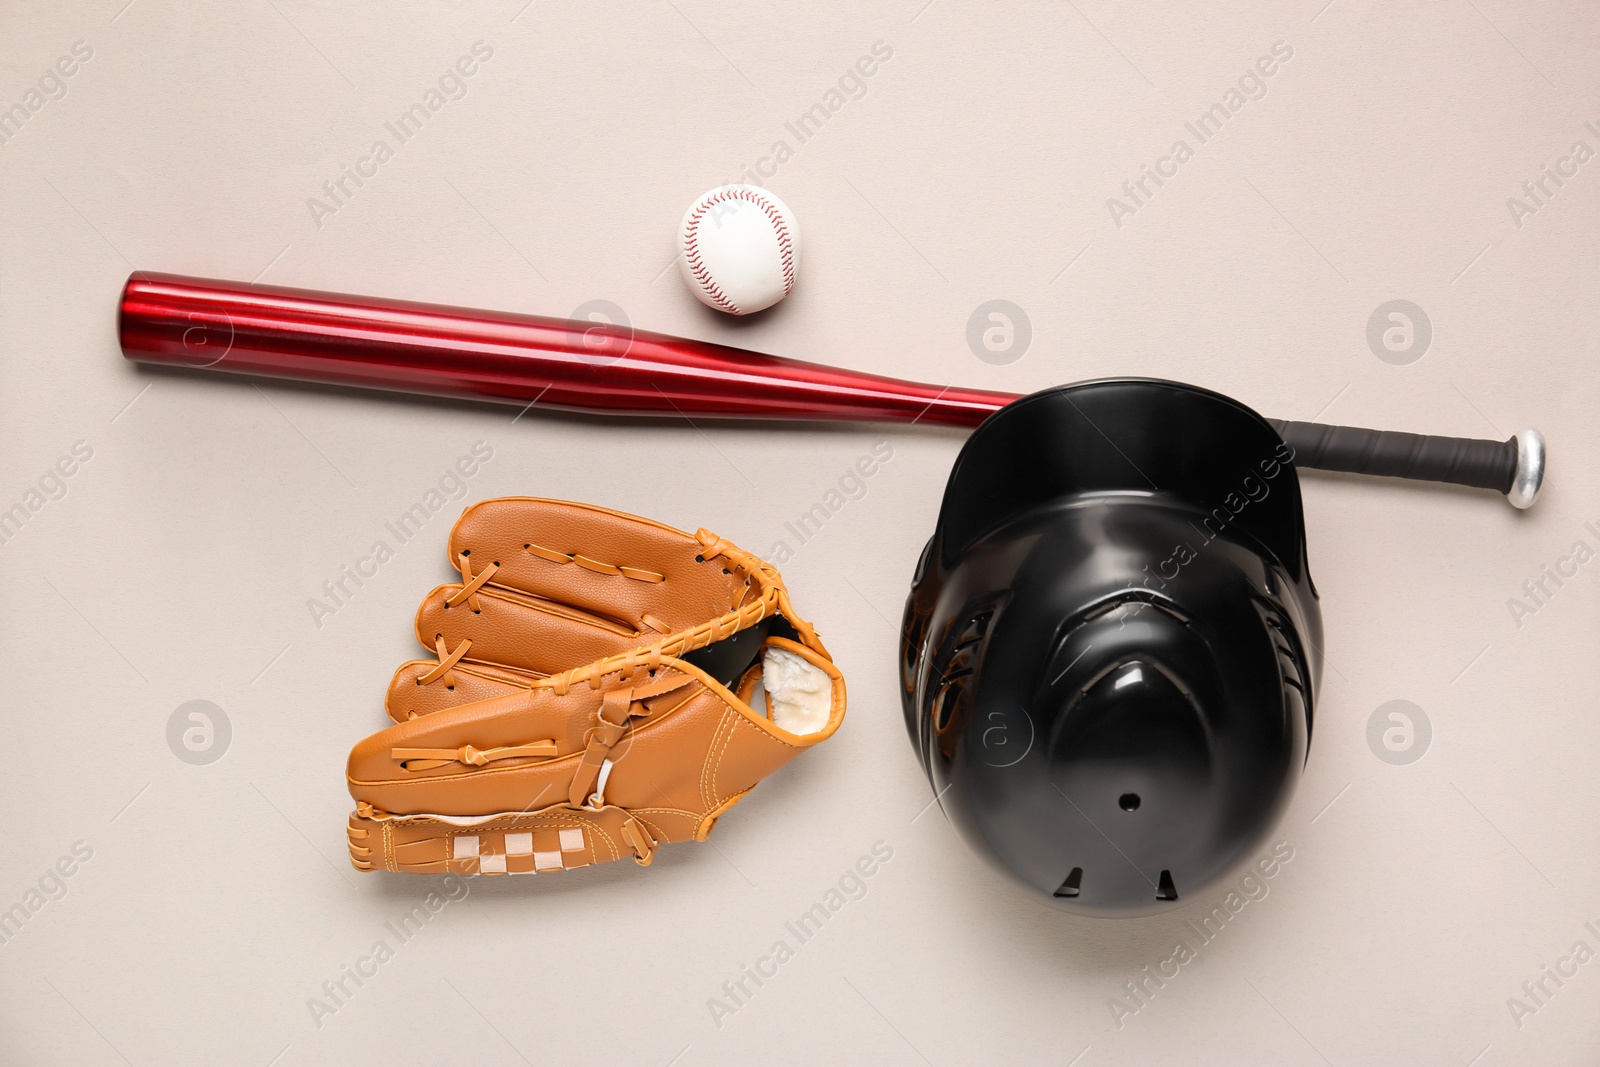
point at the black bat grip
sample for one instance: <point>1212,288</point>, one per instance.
<point>1460,461</point>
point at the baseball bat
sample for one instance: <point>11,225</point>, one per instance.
<point>611,368</point>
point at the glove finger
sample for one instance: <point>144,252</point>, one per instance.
<point>420,688</point>
<point>522,633</point>
<point>636,572</point>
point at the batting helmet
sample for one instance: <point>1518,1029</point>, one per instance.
<point>1112,645</point>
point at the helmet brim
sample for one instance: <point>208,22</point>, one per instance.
<point>1135,435</point>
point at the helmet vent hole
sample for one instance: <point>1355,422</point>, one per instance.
<point>1070,887</point>
<point>945,708</point>
<point>1129,802</point>
<point>1168,891</point>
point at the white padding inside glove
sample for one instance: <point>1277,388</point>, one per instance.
<point>800,692</point>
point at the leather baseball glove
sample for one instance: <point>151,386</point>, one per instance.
<point>590,699</point>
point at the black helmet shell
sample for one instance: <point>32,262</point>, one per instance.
<point>1112,644</point>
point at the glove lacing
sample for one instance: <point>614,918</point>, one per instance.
<point>747,566</point>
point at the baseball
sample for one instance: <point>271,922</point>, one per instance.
<point>739,249</point>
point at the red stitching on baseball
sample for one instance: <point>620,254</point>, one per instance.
<point>774,216</point>
<point>692,251</point>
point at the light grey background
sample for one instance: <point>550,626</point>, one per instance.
<point>976,166</point>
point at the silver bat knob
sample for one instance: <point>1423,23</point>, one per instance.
<point>1529,476</point>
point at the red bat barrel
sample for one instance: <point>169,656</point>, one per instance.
<point>436,350</point>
